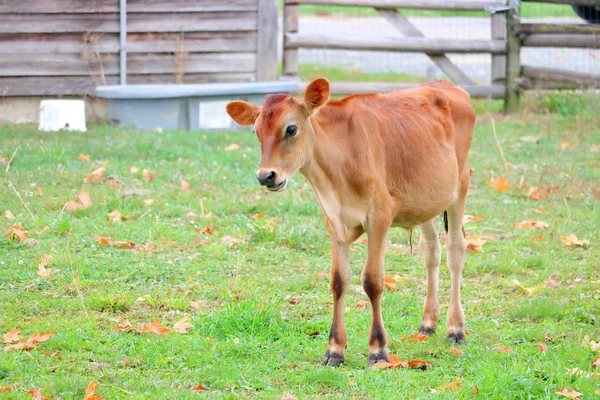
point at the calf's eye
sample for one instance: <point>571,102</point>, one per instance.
<point>291,130</point>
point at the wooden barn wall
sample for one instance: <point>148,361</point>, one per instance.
<point>68,47</point>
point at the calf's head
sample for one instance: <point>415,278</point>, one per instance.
<point>284,129</point>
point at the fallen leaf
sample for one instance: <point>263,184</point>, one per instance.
<point>123,244</point>
<point>5,389</point>
<point>500,185</point>
<point>534,194</point>
<point>456,352</point>
<point>475,243</point>
<point>9,215</point>
<point>182,326</point>
<point>73,206</point>
<point>12,336</point>
<point>532,291</point>
<point>595,346</point>
<point>537,238</point>
<point>596,362</point>
<point>46,272</point>
<point>362,304</point>
<point>95,176</point>
<point>419,364</point>
<point>542,347</point>
<point>84,157</point>
<point>571,394</point>
<point>185,186</point>
<point>36,395</point>
<point>90,390</point>
<point>206,230</point>
<point>17,234</point>
<point>417,337</point>
<point>454,385</point>
<point>198,305</point>
<point>31,342</point>
<point>134,170</point>
<point>471,218</point>
<point>539,210</point>
<point>533,224</point>
<point>390,283</point>
<point>125,327</point>
<point>232,147</point>
<point>565,145</point>
<point>154,327</point>
<point>504,349</point>
<point>572,241</point>
<point>198,388</point>
<point>256,216</point>
<point>84,199</point>
<point>115,216</point>
<point>148,202</point>
<point>548,337</point>
<point>475,390</point>
<point>147,175</point>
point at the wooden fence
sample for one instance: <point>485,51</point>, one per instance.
<point>68,47</point>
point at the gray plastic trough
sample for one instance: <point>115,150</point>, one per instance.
<point>183,107</point>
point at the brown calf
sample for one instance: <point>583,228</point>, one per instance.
<point>374,161</point>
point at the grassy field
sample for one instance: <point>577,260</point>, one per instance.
<point>258,282</point>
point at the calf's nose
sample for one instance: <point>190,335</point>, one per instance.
<point>266,178</point>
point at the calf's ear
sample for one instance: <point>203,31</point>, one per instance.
<point>242,112</point>
<point>316,94</point>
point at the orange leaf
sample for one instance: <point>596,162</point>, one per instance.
<point>390,283</point>
<point>84,198</point>
<point>471,218</point>
<point>206,230</point>
<point>417,337</point>
<point>572,241</point>
<point>596,362</point>
<point>565,145</point>
<point>362,304</point>
<point>197,305</point>
<point>537,238</point>
<point>95,176</point>
<point>147,175</point>
<point>504,349</point>
<point>454,385</point>
<point>134,170</point>
<point>125,327</point>
<point>548,337</point>
<point>198,388</point>
<point>123,244</point>
<point>256,216</point>
<point>456,352</point>
<point>475,390</point>
<point>16,233</point>
<point>46,272</point>
<point>115,216</point>
<point>533,193</point>
<point>89,391</point>
<point>185,186</point>
<point>154,327</point>
<point>542,347</point>
<point>500,185</point>
<point>12,336</point>
<point>183,326</point>
<point>73,206</point>
<point>84,157</point>
<point>9,215</point>
<point>419,364</point>
<point>395,362</point>
<point>475,243</point>
<point>36,395</point>
<point>5,389</point>
<point>533,224</point>
<point>44,337</point>
<point>571,394</point>
<point>232,147</point>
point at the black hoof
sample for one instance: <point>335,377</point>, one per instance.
<point>332,359</point>
<point>458,337</point>
<point>381,356</point>
<point>423,330</point>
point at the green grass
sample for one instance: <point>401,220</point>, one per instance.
<point>249,338</point>
<point>308,72</point>
<point>528,10</point>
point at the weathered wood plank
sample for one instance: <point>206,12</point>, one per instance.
<point>559,75</point>
<point>107,64</point>
<point>290,25</point>
<point>418,45</point>
<point>136,22</point>
<point>86,85</point>
<point>348,88</point>
<point>562,40</point>
<point>402,23</point>
<point>112,6</point>
<point>556,28</point>
<point>513,59</point>
<point>498,60</point>
<point>192,42</point>
<point>571,2</point>
<point>416,4</point>
<point>267,40</point>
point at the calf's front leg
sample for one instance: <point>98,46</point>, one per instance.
<point>373,284</point>
<point>340,278</point>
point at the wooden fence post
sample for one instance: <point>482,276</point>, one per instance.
<point>266,57</point>
<point>513,57</point>
<point>499,61</point>
<point>290,25</point>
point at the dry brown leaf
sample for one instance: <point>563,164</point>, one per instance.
<point>475,243</point>
<point>362,305</point>
<point>46,272</point>
<point>390,283</point>
<point>123,244</point>
<point>454,385</point>
<point>12,336</point>
<point>565,145</point>
<point>5,389</point>
<point>95,176</point>
<point>542,347</point>
<point>256,216</point>
<point>232,147</point>
<point>500,185</point>
<point>471,218</point>
<point>183,326</point>
<point>134,170</point>
<point>206,230</point>
<point>533,193</point>
<point>73,206</point>
<point>115,216</point>
<point>504,349</point>
<point>31,342</point>
<point>533,224</point>
<point>185,186</point>
<point>537,238</point>
<point>571,394</point>
<point>154,327</point>
<point>419,364</point>
<point>84,157</point>
<point>198,388</point>
<point>36,395</point>
<point>9,215</point>
<point>90,392</point>
<point>17,234</point>
<point>417,337</point>
<point>125,327</point>
<point>198,305</point>
<point>572,241</point>
<point>475,390</point>
<point>84,198</point>
<point>147,175</point>
<point>596,363</point>
<point>456,352</point>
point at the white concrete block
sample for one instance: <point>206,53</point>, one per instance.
<point>57,115</point>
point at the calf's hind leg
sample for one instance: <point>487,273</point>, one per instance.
<point>456,245</point>
<point>430,245</point>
